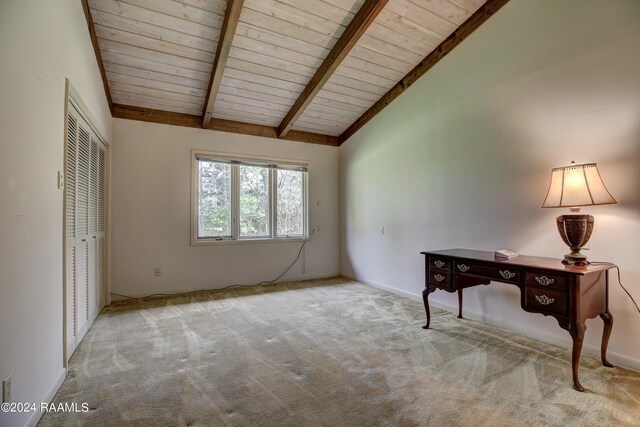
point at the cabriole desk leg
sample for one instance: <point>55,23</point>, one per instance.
<point>459,303</point>
<point>425,299</point>
<point>577,334</point>
<point>607,318</point>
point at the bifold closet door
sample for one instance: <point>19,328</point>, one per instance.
<point>101,250</point>
<point>95,289</point>
<point>84,228</point>
<point>70,231</point>
<point>83,167</point>
<point>92,288</point>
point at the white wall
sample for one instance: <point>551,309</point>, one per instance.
<point>151,196</point>
<point>463,159</point>
<point>41,43</point>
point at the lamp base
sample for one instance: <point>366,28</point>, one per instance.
<point>575,259</point>
<point>575,231</point>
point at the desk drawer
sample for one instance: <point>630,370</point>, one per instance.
<point>546,300</point>
<point>439,279</point>
<point>440,263</point>
<point>545,280</point>
<point>501,273</point>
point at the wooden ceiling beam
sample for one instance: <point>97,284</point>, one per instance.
<point>143,114</point>
<point>187,120</point>
<point>229,25</point>
<point>469,26</point>
<point>96,50</point>
<point>271,132</point>
<point>359,24</point>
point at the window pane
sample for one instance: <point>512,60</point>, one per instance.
<point>254,201</point>
<point>214,204</point>
<point>290,203</point>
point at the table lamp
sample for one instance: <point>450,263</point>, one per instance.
<point>574,186</point>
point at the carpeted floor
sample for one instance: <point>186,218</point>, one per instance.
<point>326,353</point>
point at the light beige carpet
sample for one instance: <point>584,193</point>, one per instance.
<point>326,353</point>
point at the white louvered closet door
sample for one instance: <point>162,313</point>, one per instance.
<point>83,167</point>
<point>92,288</point>
<point>100,256</point>
<point>84,228</point>
<point>70,231</point>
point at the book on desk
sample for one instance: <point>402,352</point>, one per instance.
<point>505,254</point>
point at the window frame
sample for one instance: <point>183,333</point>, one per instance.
<point>236,161</point>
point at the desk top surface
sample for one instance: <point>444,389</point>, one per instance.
<point>524,261</point>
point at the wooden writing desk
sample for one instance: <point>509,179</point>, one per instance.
<point>571,294</point>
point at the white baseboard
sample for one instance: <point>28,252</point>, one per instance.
<point>314,277</point>
<point>384,287</point>
<point>305,277</point>
<point>48,397</point>
<point>545,336</point>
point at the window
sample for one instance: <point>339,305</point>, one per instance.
<point>248,199</point>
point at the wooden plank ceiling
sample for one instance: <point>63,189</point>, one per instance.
<point>306,70</point>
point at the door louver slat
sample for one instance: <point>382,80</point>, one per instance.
<point>71,292</point>
<point>70,205</point>
<point>101,188</point>
<point>83,182</point>
<point>93,194</point>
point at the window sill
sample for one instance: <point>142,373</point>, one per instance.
<point>207,242</point>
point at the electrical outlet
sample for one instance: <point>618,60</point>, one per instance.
<point>6,389</point>
<point>382,229</point>
<point>157,272</point>
<point>316,229</point>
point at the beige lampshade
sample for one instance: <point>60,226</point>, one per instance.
<point>577,185</point>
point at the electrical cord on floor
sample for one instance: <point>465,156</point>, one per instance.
<point>264,282</point>
<point>621,285</point>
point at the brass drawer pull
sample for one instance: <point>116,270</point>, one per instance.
<point>439,277</point>
<point>463,267</point>
<point>506,274</point>
<point>438,263</point>
<point>544,300</point>
<point>544,280</point>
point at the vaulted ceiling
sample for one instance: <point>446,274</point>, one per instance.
<point>306,70</point>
